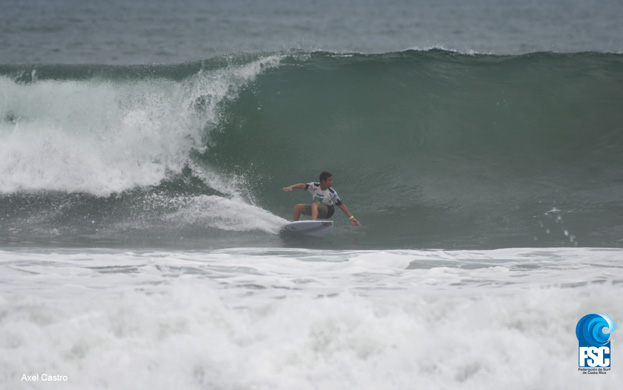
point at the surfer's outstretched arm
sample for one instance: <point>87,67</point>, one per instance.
<point>352,219</point>
<point>300,186</point>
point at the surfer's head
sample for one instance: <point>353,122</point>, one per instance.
<point>326,179</point>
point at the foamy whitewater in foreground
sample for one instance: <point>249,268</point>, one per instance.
<point>306,319</point>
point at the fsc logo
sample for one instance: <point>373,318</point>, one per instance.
<point>593,333</point>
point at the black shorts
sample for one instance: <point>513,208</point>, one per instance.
<point>324,211</point>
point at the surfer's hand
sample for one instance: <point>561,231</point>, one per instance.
<point>355,223</point>
<point>289,188</point>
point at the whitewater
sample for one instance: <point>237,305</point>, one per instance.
<point>144,146</point>
<point>280,318</point>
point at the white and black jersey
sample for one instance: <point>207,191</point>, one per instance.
<point>328,196</point>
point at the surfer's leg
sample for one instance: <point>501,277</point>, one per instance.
<point>298,210</point>
<point>314,211</point>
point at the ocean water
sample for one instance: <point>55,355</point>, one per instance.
<point>144,145</point>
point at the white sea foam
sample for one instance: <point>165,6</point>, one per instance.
<point>289,318</point>
<point>102,137</point>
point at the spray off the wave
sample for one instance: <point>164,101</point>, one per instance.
<point>102,136</point>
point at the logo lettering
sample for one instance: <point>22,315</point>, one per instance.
<point>594,357</point>
<point>593,333</point>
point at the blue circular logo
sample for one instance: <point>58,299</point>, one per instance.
<point>594,329</point>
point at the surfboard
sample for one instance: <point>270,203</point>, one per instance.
<point>308,228</point>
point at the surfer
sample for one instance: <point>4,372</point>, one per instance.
<point>324,199</point>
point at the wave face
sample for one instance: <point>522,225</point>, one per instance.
<point>427,148</point>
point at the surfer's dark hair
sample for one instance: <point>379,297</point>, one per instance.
<point>325,175</point>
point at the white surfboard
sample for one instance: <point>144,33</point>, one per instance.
<point>308,228</point>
